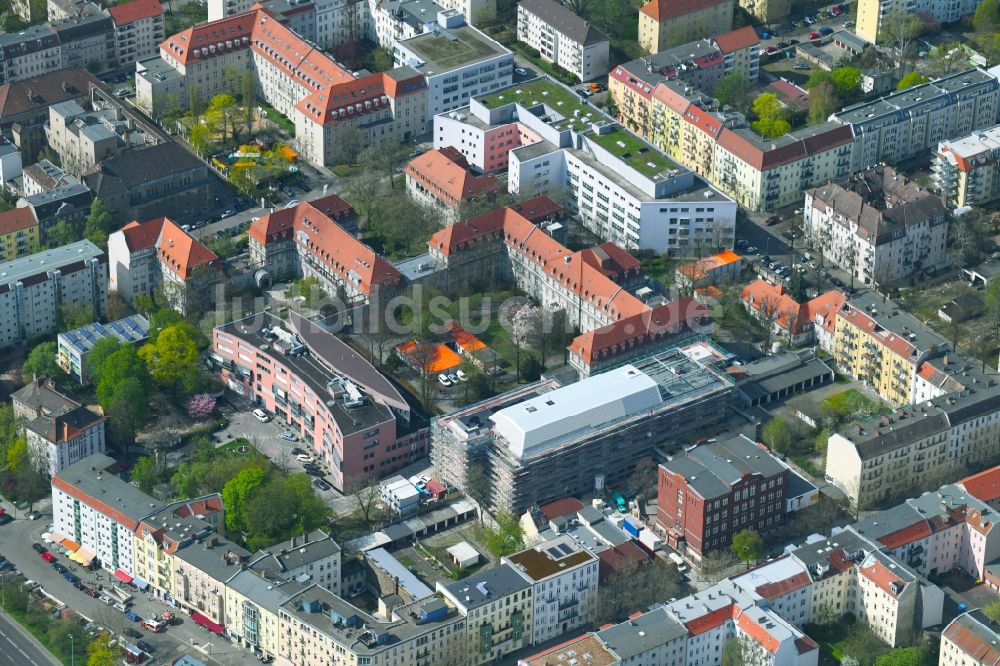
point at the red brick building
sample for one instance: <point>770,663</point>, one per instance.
<point>716,490</point>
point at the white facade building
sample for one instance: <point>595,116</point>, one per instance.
<point>99,511</point>
<point>34,287</point>
<point>65,438</point>
<point>624,190</point>
<point>563,38</point>
<point>563,579</point>
<point>877,225</point>
<point>966,170</point>
<point>475,63</point>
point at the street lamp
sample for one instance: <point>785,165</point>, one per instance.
<point>72,651</point>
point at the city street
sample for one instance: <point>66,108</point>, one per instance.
<point>18,647</point>
<point>180,639</point>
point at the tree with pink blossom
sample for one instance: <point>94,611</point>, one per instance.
<point>201,406</point>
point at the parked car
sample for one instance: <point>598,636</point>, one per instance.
<point>305,457</point>
<point>70,576</point>
<point>58,566</point>
<point>287,436</point>
<point>520,71</point>
<point>153,626</point>
<point>89,591</point>
<point>826,30</point>
<point>773,220</point>
<point>771,49</point>
<point>47,556</point>
<point>5,518</point>
<point>461,376</point>
<point>782,45</point>
<point>321,484</point>
<point>801,65</point>
<point>444,379</point>
<point>261,415</point>
<point>752,249</point>
<point>764,34</point>
<point>312,470</point>
<point>144,646</point>
<point>133,616</point>
<point>129,632</point>
<point>848,24</point>
<point>809,20</point>
<point>814,35</point>
<point>297,451</point>
<point>39,548</point>
<point>793,42</point>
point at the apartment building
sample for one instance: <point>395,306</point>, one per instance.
<point>201,568</point>
<point>163,531</point>
<point>316,624</point>
<point>34,51</point>
<point>61,439</point>
<point>872,13</point>
<point>18,233</point>
<point>457,62</point>
<point>355,419</point>
<point>563,579</point>
<point>86,40</point>
<point>666,23</point>
<point>907,123</point>
<point>25,104</point>
<point>964,169</point>
<point>302,83</point>
<point>740,51</point>
<point>441,179</point>
<point>883,346</point>
<point>159,256</point>
<point>307,240</point>
<point>139,29</point>
<point>252,603</point>
<point>75,346</point>
<point>499,604</point>
<point>82,138</point>
<point>37,398</point>
<point>99,512</point>
<point>544,441</point>
<point>314,557</point>
<point>35,286</point>
<point>586,644</point>
<point>799,324</point>
<point>713,491</point>
<point>878,225</point>
<point>68,200</point>
<point>505,245</point>
<point>563,38</point>
<point>971,638</point>
<point>768,11</point>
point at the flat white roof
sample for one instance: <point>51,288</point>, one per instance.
<point>538,424</point>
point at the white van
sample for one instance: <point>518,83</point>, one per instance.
<point>261,415</point>
<point>679,561</point>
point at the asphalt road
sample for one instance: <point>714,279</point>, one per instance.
<point>19,648</point>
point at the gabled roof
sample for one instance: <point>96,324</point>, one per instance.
<point>764,154</point>
<point>174,246</point>
<point>976,635</point>
<point>662,10</point>
<point>562,19</point>
<point>447,172</point>
<point>325,240</point>
<point>17,219</point>
<point>135,11</point>
<point>875,570</point>
<point>737,39</point>
<point>984,486</point>
<point>42,91</point>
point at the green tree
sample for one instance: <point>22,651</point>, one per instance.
<point>146,474</point>
<point>41,362</point>
<point>200,137</point>
<point>899,30</point>
<point>735,90</point>
<point>116,368</point>
<point>910,80</point>
<point>160,318</point>
<point>747,546</point>
<point>75,315</point>
<point>235,494</point>
<point>822,102</point>
<point>507,537</point>
<point>992,611</point>
<point>531,367</point>
<point>772,118</point>
<point>219,114</point>
<point>98,224</point>
<point>777,434</point>
<point>732,652</point>
<point>173,357</point>
<point>819,77</point>
<point>128,410</point>
<point>98,652</point>
<point>18,455</point>
<point>903,656</point>
<point>99,353</point>
<point>847,82</point>
<point>59,234</point>
<point>987,16</point>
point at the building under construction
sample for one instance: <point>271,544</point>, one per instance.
<point>543,442</point>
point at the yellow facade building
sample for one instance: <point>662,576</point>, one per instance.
<point>666,23</point>
<point>18,233</point>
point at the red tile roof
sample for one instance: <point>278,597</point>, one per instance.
<point>869,326</point>
<point>737,39</point>
<point>826,305</point>
<point>134,11</point>
<point>625,557</point>
<point>351,260</point>
<point>143,236</point>
<point>671,98</point>
<point>564,507</point>
<point>759,156</point>
<point>882,576</point>
<point>17,219</point>
<point>540,209</point>
<point>973,643</point>
<point>711,620</point>
<point>182,253</point>
<point>780,588</point>
<point>984,486</point>
<point>775,303</point>
<point>445,174</point>
<point>662,10</point>
<point>759,634</point>
<point>648,326</point>
<point>329,92</point>
<point>906,535</point>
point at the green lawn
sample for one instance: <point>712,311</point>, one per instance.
<point>451,53</point>
<point>633,151</point>
<point>540,91</point>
